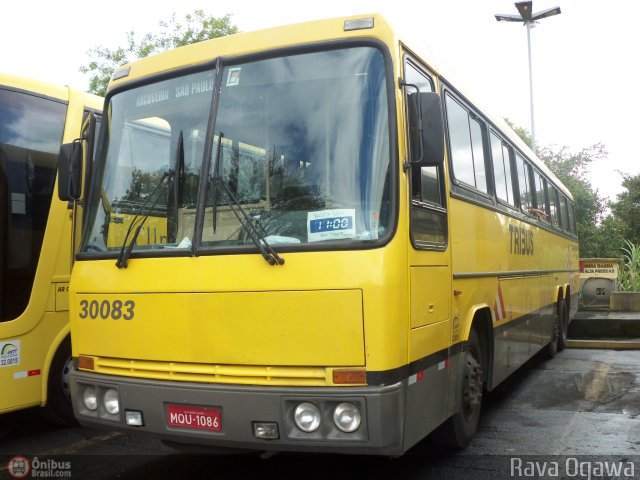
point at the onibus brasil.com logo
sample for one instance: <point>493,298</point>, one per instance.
<point>21,467</point>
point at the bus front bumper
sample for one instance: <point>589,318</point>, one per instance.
<point>154,407</point>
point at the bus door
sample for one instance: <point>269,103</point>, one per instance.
<point>430,276</point>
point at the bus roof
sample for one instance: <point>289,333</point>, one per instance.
<point>307,33</point>
<point>49,90</point>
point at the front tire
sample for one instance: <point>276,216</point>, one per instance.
<point>459,430</point>
<point>58,408</point>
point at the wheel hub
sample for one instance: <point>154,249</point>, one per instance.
<point>472,389</point>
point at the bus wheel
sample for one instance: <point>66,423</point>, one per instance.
<point>58,408</point>
<point>459,430</point>
<point>564,325</point>
<point>553,346</point>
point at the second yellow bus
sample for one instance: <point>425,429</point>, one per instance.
<point>36,242</point>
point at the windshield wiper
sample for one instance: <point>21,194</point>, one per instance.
<point>125,250</point>
<point>257,237</point>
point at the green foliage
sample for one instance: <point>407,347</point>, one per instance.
<point>626,209</point>
<point>601,240</point>
<point>142,185</point>
<point>196,27</point>
<point>629,276</point>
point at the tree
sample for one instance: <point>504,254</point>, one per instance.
<point>196,27</point>
<point>627,208</point>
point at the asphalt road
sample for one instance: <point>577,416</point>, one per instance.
<point>581,408</point>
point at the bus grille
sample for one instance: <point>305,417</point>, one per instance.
<point>206,373</point>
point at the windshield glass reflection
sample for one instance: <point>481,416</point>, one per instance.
<point>304,149</point>
<point>152,131</point>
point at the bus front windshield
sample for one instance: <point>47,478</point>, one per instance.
<point>299,147</point>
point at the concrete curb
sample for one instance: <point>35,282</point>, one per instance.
<point>605,327</point>
<point>605,344</point>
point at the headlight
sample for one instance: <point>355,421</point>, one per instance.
<point>347,418</point>
<point>89,398</point>
<point>307,417</point>
<point>111,402</point>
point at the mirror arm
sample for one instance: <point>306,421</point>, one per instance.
<point>77,144</point>
<point>408,163</point>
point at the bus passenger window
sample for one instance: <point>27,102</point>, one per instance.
<point>523,183</point>
<point>541,202</point>
<point>502,170</point>
<point>553,206</point>
<point>572,219</point>
<point>564,213</point>
<point>467,153</point>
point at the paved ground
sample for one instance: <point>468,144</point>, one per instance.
<point>580,404</point>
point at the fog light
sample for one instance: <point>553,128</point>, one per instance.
<point>89,398</point>
<point>134,418</point>
<point>111,402</point>
<point>307,417</point>
<point>266,430</point>
<point>347,418</point>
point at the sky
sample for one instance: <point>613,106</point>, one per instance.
<point>586,61</point>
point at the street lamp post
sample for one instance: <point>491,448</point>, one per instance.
<point>529,18</point>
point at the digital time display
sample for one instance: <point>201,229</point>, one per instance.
<point>334,224</point>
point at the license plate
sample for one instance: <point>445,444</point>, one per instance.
<point>197,418</point>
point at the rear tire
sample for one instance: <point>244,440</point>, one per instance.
<point>58,408</point>
<point>459,430</point>
<point>554,345</point>
<point>564,325</point>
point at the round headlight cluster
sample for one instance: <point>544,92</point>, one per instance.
<point>307,417</point>
<point>90,398</point>
<point>347,418</point>
<point>111,402</point>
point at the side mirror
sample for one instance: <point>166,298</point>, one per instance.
<point>70,171</point>
<point>426,127</point>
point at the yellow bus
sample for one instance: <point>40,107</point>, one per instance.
<point>36,243</point>
<point>355,251</point>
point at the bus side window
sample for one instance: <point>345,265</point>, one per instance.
<point>572,219</point>
<point>540,196</point>
<point>28,162</point>
<point>428,214</point>
<point>553,206</point>
<point>466,146</point>
<point>502,170</point>
<point>564,214</point>
<point>524,186</point>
